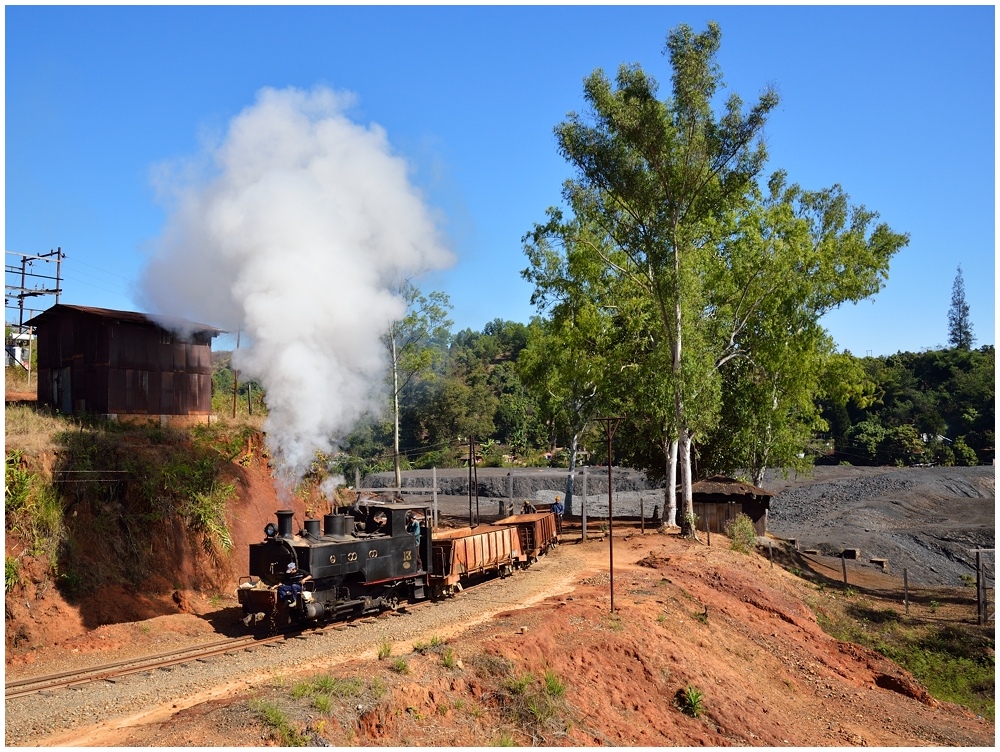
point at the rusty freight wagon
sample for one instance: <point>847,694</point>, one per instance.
<point>459,554</point>
<point>536,533</point>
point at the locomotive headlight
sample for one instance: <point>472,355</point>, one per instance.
<point>270,530</point>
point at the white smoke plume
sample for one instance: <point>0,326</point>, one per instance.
<point>297,236</point>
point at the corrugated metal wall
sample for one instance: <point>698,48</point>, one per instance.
<point>122,368</point>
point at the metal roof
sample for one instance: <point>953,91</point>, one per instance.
<point>129,317</point>
<point>720,484</point>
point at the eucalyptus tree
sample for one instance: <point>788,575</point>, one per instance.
<point>566,357</point>
<point>782,261</point>
<point>655,173</point>
<point>414,344</point>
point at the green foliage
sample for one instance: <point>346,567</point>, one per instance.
<point>285,734</point>
<point>400,666</point>
<point>964,454</point>
<point>742,535</point>
<point>12,573</point>
<point>690,701</point>
<point>954,661</point>
<point>448,659</point>
<point>384,650</point>
<point>17,483</point>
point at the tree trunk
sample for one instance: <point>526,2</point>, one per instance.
<point>395,415</point>
<point>670,514</point>
<point>688,524</point>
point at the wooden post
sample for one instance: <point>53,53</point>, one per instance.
<point>843,564</point>
<point>642,517</point>
<point>906,593</point>
<point>583,508</point>
<point>980,590</point>
<point>434,493</point>
<point>236,374</point>
<point>708,530</point>
<point>509,507</point>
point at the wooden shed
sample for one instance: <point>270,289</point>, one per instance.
<point>121,363</point>
<point>718,500</point>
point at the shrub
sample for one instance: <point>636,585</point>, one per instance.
<point>691,701</point>
<point>964,454</point>
<point>400,666</point>
<point>448,659</point>
<point>742,535</point>
<point>12,573</point>
<point>275,717</point>
<point>384,650</point>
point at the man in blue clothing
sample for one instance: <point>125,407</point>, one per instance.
<point>558,510</point>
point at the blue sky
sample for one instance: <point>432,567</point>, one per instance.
<point>896,104</point>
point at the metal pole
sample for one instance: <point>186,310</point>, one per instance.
<point>470,481</point>
<point>475,475</point>
<point>609,430</point>
<point>59,255</point>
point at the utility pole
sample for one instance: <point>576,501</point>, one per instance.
<point>610,426</point>
<point>21,291</point>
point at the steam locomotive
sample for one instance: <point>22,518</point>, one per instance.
<point>372,557</point>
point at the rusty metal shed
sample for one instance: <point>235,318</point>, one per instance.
<point>718,500</point>
<point>123,363</point>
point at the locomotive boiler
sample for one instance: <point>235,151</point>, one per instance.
<point>370,558</point>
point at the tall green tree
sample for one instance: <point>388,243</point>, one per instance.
<point>566,355</point>
<point>959,325</point>
<point>784,259</point>
<point>655,173</point>
<point>414,344</point>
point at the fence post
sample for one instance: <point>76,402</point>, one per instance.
<point>434,493</point>
<point>642,517</point>
<point>843,564</point>
<point>583,507</point>
<point>980,590</point>
<point>906,593</point>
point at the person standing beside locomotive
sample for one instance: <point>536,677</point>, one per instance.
<point>413,528</point>
<point>558,509</point>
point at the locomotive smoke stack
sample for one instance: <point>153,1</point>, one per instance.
<point>285,523</point>
<point>312,528</point>
<point>335,525</point>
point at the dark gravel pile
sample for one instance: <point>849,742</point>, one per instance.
<point>927,520</point>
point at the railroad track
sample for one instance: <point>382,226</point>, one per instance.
<point>111,672</point>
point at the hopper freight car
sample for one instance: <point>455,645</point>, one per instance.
<point>536,533</point>
<point>464,552</point>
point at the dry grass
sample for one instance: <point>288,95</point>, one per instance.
<point>32,431</point>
